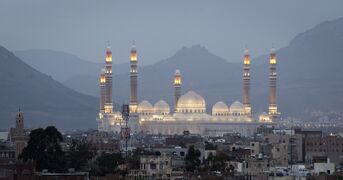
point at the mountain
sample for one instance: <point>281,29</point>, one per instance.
<point>309,67</point>
<point>67,68</point>
<point>43,100</point>
<point>201,71</point>
<point>309,76</point>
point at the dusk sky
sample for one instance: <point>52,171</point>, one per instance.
<point>159,28</point>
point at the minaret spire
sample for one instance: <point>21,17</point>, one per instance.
<point>246,82</point>
<point>102,84</point>
<point>108,81</point>
<point>133,79</point>
<point>272,110</point>
<point>177,88</point>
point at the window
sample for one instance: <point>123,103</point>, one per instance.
<point>152,166</point>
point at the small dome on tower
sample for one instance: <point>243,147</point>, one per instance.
<point>177,72</point>
<point>220,109</point>
<point>161,108</point>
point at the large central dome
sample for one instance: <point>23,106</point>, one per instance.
<point>191,102</point>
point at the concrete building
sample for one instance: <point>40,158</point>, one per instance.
<point>328,147</point>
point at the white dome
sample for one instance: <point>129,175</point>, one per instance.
<point>237,108</point>
<point>145,107</point>
<point>264,117</point>
<point>191,102</point>
<point>220,109</point>
<point>161,107</point>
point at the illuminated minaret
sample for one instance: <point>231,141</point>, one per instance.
<point>272,110</point>
<point>246,82</point>
<point>19,134</point>
<point>177,88</point>
<point>108,81</point>
<point>102,83</point>
<point>133,79</point>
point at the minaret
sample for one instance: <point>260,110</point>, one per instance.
<point>133,79</point>
<point>19,134</point>
<point>108,81</point>
<point>246,82</point>
<point>272,110</point>
<point>102,83</point>
<point>177,88</point>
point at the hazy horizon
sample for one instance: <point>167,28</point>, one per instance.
<point>158,28</point>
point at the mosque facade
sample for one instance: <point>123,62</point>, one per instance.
<point>189,109</point>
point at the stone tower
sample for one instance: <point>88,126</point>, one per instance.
<point>19,134</point>
<point>272,110</point>
<point>108,81</point>
<point>133,80</point>
<point>246,82</point>
<point>102,99</point>
<point>133,117</point>
<point>177,88</point>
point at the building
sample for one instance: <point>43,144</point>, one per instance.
<point>154,167</point>
<point>189,111</point>
<point>327,168</point>
<point>327,147</point>
<point>19,134</point>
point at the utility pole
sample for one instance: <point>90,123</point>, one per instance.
<point>125,131</point>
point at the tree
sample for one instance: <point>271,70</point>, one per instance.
<point>210,146</point>
<point>218,162</point>
<point>79,155</point>
<point>192,160</point>
<point>44,148</point>
<point>108,162</point>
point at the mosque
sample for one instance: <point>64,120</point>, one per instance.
<point>190,112</point>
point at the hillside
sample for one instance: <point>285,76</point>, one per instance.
<point>43,100</point>
<point>67,68</point>
<point>309,76</point>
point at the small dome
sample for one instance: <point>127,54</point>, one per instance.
<point>264,117</point>
<point>237,108</point>
<point>161,108</point>
<point>145,107</point>
<point>220,109</point>
<point>191,102</point>
<point>177,72</point>
<point>118,113</point>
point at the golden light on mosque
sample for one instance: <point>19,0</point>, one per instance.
<point>177,80</point>
<point>109,58</point>
<point>246,60</point>
<point>108,55</point>
<point>272,59</point>
<point>133,56</point>
<point>102,79</point>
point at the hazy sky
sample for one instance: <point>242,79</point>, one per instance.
<point>159,27</point>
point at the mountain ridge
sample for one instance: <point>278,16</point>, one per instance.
<point>43,100</point>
